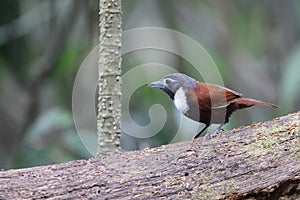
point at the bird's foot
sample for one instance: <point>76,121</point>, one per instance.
<point>214,134</point>
<point>211,135</point>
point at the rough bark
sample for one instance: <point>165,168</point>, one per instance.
<point>109,101</point>
<point>261,161</point>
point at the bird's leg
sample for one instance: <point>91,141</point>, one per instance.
<point>203,129</point>
<point>215,133</point>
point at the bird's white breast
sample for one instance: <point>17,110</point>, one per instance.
<point>180,101</point>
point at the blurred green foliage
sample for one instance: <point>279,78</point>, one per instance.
<point>255,45</point>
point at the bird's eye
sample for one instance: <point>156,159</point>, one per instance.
<point>168,81</point>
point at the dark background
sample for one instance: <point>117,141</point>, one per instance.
<point>255,44</point>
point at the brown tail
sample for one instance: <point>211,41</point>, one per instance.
<point>246,102</point>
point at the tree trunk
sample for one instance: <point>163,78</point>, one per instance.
<point>109,102</point>
<point>261,161</point>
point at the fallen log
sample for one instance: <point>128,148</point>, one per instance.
<point>260,161</point>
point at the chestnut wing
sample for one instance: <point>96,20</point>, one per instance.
<point>207,96</point>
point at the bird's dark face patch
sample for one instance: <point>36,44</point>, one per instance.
<point>169,92</point>
<point>162,85</point>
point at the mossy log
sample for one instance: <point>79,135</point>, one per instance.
<point>261,161</point>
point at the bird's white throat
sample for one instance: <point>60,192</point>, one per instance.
<point>180,101</point>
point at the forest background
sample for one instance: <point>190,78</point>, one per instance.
<point>255,45</point>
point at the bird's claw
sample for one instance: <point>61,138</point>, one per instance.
<point>211,135</point>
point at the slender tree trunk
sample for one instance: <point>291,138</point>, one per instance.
<point>109,101</point>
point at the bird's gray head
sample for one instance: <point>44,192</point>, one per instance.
<point>172,82</point>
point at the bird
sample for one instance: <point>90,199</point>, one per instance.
<point>203,102</point>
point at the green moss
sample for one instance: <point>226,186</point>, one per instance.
<point>269,139</point>
<point>265,142</point>
<point>206,177</point>
<point>267,131</point>
<point>214,191</point>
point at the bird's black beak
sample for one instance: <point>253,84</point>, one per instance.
<point>156,84</point>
